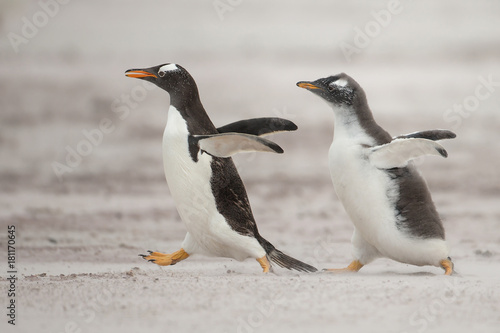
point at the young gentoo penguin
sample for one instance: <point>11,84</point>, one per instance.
<point>208,192</point>
<point>381,189</point>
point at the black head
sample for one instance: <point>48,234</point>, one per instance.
<point>340,90</point>
<point>183,94</point>
<point>170,77</point>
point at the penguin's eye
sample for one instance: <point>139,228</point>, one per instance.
<point>331,88</point>
<point>161,73</point>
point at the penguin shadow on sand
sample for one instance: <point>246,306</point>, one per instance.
<point>380,187</point>
<point>415,274</point>
<point>207,190</point>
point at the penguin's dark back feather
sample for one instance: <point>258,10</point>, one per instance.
<point>231,197</point>
<point>417,214</point>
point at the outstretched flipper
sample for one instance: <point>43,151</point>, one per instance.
<point>397,153</point>
<point>433,135</point>
<point>228,144</point>
<point>259,126</point>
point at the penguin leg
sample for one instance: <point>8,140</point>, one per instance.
<point>163,259</point>
<point>447,265</point>
<point>362,252</point>
<point>264,263</point>
<point>354,266</point>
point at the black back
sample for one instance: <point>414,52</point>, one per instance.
<point>416,213</point>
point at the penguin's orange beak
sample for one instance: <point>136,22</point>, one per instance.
<point>136,73</point>
<point>307,85</point>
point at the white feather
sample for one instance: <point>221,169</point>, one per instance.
<point>397,153</point>
<point>228,144</point>
<point>340,82</point>
<point>169,67</point>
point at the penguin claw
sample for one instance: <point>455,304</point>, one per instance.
<point>142,255</point>
<point>150,251</point>
<point>152,260</point>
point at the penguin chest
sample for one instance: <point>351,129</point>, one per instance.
<point>189,182</point>
<point>367,193</point>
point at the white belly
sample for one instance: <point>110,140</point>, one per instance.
<point>189,184</point>
<point>364,190</point>
<point>369,197</point>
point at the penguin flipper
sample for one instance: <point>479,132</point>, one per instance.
<point>434,135</point>
<point>397,153</point>
<point>259,126</point>
<point>228,144</point>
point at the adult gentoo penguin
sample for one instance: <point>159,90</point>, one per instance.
<point>207,190</point>
<point>380,187</point>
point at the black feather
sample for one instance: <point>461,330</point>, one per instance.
<point>283,260</point>
<point>259,126</point>
<point>433,135</point>
<point>442,151</point>
<point>416,213</point>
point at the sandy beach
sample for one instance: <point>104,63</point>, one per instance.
<point>82,180</point>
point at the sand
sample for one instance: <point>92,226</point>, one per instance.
<point>79,233</point>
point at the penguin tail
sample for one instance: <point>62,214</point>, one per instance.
<point>276,256</point>
<point>285,261</point>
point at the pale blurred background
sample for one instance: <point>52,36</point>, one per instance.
<point>62,73</point>
<point>65,78</point>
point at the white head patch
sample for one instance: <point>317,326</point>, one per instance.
<point>340,83</point>
<point>169,67</point>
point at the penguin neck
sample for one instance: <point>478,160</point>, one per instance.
<point>192,111</point>
<point>357,123</point>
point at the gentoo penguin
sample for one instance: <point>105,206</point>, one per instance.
<point>208,192</point>
<point>379,186</point>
